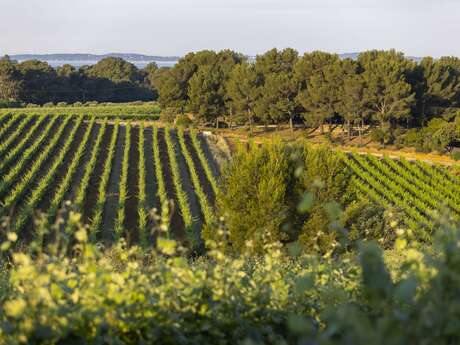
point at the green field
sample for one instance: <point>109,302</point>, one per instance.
<point>113,172</point>
<point>140,111</point>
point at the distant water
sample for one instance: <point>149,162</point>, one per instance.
<point>139,64</point>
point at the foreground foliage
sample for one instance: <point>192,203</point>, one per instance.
<point>80,294</point>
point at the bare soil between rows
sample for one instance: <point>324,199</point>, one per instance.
<point>177,223</point>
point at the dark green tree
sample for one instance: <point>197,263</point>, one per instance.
<point>389,96</point>
<point>437,87</point>
<point>116,70</point>
<point>242,92</point>
<point>276,86</point>
<point>205,100</point>
<point>353,105</point>
<point>38,79</point>
<point>278,97</point>
<point>10,80</point>
<point>321,98</point>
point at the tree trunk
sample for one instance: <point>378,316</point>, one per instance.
<point>231,118</point>
<point>250,122</point>
<point>321,128</point>
<point>291,124</point>
<point>423,113</point>
<point>349,130</point>
<point>361,128</point>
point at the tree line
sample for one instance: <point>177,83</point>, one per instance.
<point>110,80</point>
<point>382,88</point>
<point>379,87</point>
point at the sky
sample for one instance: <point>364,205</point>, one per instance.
<point>175,27</point>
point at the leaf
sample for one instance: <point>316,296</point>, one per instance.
<point>167,247</point>
<point>304,284</point>
<point>15,308</point>
<point>306,203</point>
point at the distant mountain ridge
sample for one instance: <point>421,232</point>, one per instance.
<point>354,56</point>
<point>132,57</point>
<point>91,57</point>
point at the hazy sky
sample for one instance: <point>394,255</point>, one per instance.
<point>174,27</point>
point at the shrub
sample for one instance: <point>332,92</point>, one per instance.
<point>91,104</point>
<point>183,121</point>
<point>10,104</point>
<point>257,196</point>
<point>378,135</point>
<point>382,136</point>
<point>128,296</point>
<point>62,104</point>
<point>278,192</point>
<point>370,221</point>
<point>77,104</point>
<point>48,105</point>
<point>327,178</point>
<point>455,155</point>
<point>168,115</point>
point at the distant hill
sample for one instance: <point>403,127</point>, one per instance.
<point>92,57</point>
<point>138,59</point>
<point>354,56</point>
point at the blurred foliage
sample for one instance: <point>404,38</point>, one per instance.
<point>74,292</point>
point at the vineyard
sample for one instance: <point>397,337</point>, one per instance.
<point>425,194</point>
<point>139,111</point>
<point>113,172</point>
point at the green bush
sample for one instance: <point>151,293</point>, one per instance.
<point>128,296</point>
<point>257,196</point>
<point>10,104</point>
<point>168,115</point>
<point>366,220</point>
<point>279,192</point>
<point>382,136</point>
<point>455,155</point>
<point>183,121</point>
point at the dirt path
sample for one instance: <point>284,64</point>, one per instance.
<point>409,154</point>
<point>151,184</point>
<point>132,235</point>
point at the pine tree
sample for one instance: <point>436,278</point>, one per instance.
<point>242,91</point>
<point>437,87</point>
<point>321,98</point>
<point>10,80</point>
<point>389,96</point>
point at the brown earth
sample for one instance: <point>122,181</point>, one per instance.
<point>131,219</point>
